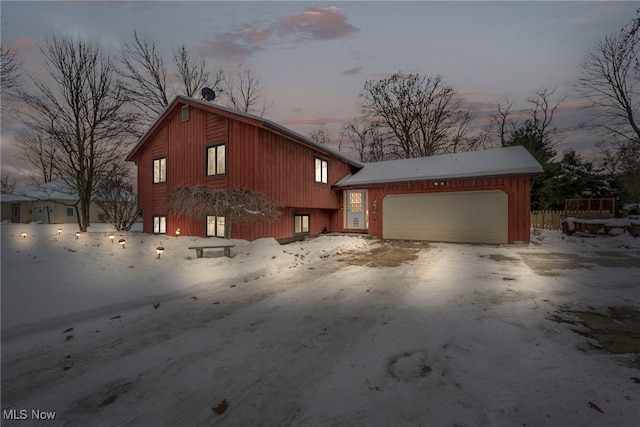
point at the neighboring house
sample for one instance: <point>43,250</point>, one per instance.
<point>480,196</point>
<point>50,203</point>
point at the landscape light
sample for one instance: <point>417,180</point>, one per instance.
<point>177,232</point>
<point>122,242</point>
<point>59,230</point>
<point>24,235</point>
<point>78,234</point>
<point>111,237</point>
<point>159,251</point>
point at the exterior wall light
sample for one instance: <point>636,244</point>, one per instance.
<point>78,234</point>
<point>122,242</point>
<point>111,237</point>
<point>159,251</point>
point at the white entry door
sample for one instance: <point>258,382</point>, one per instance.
<point>356,208</point>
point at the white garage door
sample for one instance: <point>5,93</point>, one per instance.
<point>469,216</point>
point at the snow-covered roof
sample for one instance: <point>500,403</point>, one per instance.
<point>58,190</point>
<point>493,162</point>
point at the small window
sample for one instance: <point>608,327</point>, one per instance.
<point>185,113</point>
<point>160,170</point>
<point>301,224</point>
<point>355,202</point>
<point>159,224</point>
<point>322,168</point>
<point>69,211</point>
<point>215,226</point>
<point>216,160</point>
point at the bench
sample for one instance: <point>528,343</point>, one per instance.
<point>200,249</point>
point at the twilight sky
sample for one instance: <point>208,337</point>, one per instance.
<point>314,58</point>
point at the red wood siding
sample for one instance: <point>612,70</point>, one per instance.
<point>517,189</point>
<point>257,158</point>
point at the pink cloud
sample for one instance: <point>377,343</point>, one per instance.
<point>231,46</point>
<point>314,24</point>
<point>24,43</point>
<point>317,23</point>
<point>254,36</point>
<point>316,122</point>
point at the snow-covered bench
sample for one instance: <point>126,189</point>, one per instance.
<point>200,249</point>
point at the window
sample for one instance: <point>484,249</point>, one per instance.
<point>216,160</point>
<point>322,167</point>
<point>185,113</point>
<point>301,224</point>
<point>355,202</point>
<point>215,226</point>
<point>69,211</point>
<point>160,170</point>
<point>159,224</point>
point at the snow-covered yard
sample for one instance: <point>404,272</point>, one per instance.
<point>323,332</point>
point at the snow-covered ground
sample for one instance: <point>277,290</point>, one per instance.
<point>305,335</point>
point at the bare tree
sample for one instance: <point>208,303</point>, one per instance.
<point>79,109</point>
<point>244,91</point>
<point>116,198</point>
<point>236,205</point>
<point>501,124</point>
<point>40,152</point>
<point>543,107</point>
<point>506,122</point>
<point>321,136</point>
<point>607,78</point>
<point>7,184</point>
<point>193,73</point>
<point>10,69</point>
<point>422,113</point>
<point>11,80</point>
<point>147,77</point>
<point>366,139</point>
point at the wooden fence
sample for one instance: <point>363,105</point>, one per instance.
<point>552,220</point>
<point>548,220</point>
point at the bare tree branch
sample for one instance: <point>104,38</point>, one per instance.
<point>79,109</point>
<point>244,92</point>
<point>422,113</point>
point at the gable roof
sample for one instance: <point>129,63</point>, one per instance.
<point>58,190</point>
<point>252,119</point>
<point>493,162</point>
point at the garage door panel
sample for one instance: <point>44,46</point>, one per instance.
<point>474,217</point>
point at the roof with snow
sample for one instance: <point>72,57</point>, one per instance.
<point>493,162</point>
<point>58,190</point>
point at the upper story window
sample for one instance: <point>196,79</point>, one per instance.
<point>160,170</point>
<point>184,113</point>
<point>216,162</point>
<point>322,171</point>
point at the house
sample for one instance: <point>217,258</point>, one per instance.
<point>466,197</point>
<point>50,203</point>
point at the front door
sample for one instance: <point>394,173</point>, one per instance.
<point>356,207</point>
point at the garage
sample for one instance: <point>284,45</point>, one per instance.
<point>461,216</point>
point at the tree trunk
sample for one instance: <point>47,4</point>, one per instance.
<point>227,235</point>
